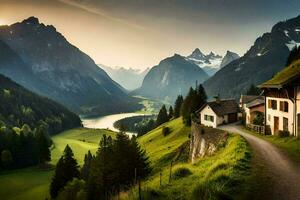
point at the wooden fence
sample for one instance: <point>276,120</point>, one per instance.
<point>256,128</point>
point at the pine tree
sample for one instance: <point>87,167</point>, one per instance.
<point>43,146</point>
<point>171,113</point>
<point>162,116</point>
<point>86,168</point>
<point>253,90</point>
<point>177,106</point>
<point>66,170</point>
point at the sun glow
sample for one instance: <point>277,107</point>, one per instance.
<point>2,22</point>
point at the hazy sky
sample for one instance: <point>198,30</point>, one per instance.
<point>139,33</point>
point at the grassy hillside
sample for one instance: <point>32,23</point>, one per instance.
<point>32,183</point>
<point>214,177</point>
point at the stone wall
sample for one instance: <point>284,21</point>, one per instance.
<point>205,140</point>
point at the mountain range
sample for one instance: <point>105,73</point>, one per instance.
<point>211,63</point>
<point>262,61</point>
<point>42,60</point>
<point>130,78</point>
<point>171,77</point>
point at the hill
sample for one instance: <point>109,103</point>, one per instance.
<point>171,77</point>
<point>262,61</point>
<point>58,70</point>
<point>213,176</point>
<point>18,106</point>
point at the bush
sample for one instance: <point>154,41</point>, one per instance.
<point>283,134</point>
<point>166,131</point>
<point>209,190</point>
<point>181,173</point>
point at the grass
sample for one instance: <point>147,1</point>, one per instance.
<point>211,177</point>
<point>291,145</point>
<point>33,183</point>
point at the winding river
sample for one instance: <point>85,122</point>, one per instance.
<point>107,122</point>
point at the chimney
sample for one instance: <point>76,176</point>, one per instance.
<point>218,100</point>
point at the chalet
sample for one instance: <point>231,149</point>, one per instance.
<point>218,112</point>
<point>282,101</point>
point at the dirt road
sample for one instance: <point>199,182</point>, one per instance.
<point>277,176</point>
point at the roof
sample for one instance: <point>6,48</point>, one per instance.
<point>256,102</point>
<point>223,107</point>
<point>248,98</point>
<point>284,77</point>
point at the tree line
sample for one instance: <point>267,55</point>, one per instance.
<point>118,164</point>
<point>26,148</point>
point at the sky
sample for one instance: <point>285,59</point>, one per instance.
<point>140,33</point>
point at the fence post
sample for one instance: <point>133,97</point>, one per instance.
<point>170,176</point>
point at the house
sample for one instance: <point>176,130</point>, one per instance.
<point>252,107</point>
<point>218,112</point>
<point>282,101</point>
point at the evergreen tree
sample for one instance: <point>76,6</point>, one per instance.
<point>177,106</point>
<point>193,101</point>
<point>85,170</point>
<point>162,116</point>
<point>43,146</point>
<point>66,170</point>
<point>253,90</point>
<point>294,55</point>
<point>171,112</point>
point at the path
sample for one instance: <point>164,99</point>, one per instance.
<point>280,175</point>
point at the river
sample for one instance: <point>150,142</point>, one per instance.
<point>107,122</point>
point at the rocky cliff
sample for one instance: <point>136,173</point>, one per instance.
<point>205,141</point>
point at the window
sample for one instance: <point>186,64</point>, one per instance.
<point>209,118</point>
<point>272,104</point>
<point>285,124</point>
<point>284,106</point>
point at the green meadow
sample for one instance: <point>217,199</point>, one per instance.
<point>33,183</point>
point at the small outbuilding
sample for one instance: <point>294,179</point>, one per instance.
<point>218,112</point>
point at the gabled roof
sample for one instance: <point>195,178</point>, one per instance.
<point>256,102</point>
<point>248,98</point>
<point>222,107</point>
<point>284,77</point>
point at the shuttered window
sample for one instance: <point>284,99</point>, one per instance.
<point>284,106</point>
<point>272,104</point>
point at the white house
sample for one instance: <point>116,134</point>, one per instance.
<point>218,112</point>
<point>282,101</point>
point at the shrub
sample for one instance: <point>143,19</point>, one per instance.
<point>181,173</point>
<point>283,134</point>
<point>209,190</point>
<point>166,131</point>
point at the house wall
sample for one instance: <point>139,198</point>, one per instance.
<point>270,114</point>
<point>208,111</point>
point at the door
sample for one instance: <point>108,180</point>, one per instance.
<point>276,125</point>
<point>232,117</point>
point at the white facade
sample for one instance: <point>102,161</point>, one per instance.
<point>277,118</point>
<point>206,116</point>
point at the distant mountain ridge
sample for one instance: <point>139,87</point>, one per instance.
<point>171,77</point>
<point>49,65</point>
<point>211,63</point>
<point>262,61</point>
<point>130,78</point>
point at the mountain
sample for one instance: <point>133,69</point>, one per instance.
<point>171,77</point>
<point>265,58</point>
<point>18,106</point>
<point>46,63</point>
<point>130,78</point>
<point>228,58</point>
<point>210,63</point>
